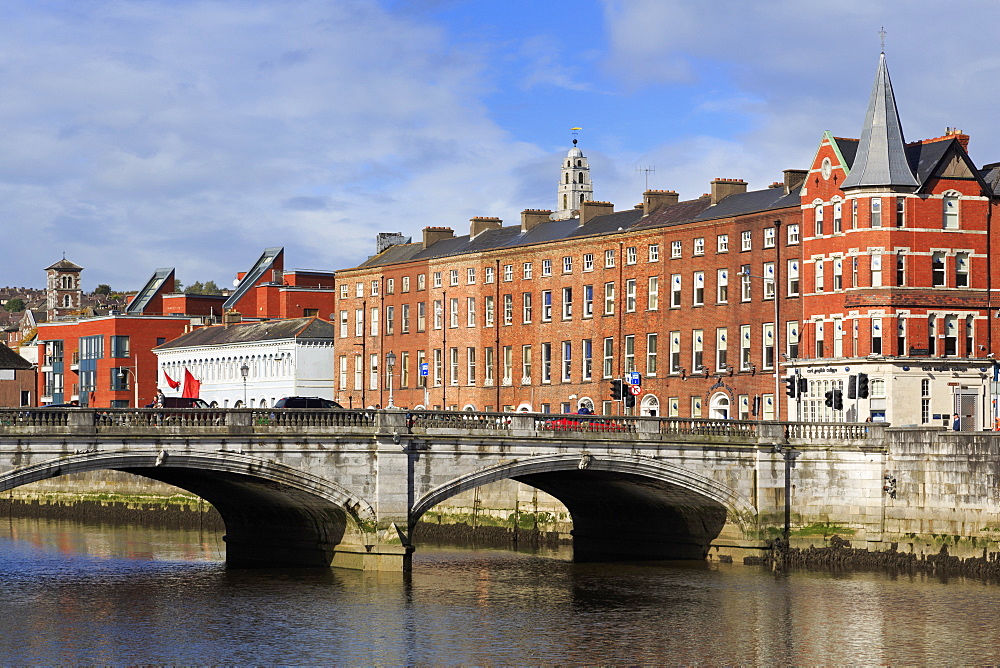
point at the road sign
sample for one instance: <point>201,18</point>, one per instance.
<point>425,368</point>
<point>634,390</point>
<point>633,378</point>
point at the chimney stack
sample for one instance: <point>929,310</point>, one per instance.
<point>481,224</point>
<point>589,210</point>
<point>231,317</point>
<point>432,235</point>
<point>532,217</point>
<point>654,199</point>
<point>794,178</point>
<point>961,137</point>
<point>723,188</point>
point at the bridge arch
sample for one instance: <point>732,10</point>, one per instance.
<point>623,506</point>
<point>275,515</point>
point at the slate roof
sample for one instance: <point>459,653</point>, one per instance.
<point>64,265</point>
<point>11,360</point>
<point>991,175</point>
<point>881,158</point>
<point>751,202</point>
<point>247,332</point>
<point>924,158</point>
<point>610,223</point>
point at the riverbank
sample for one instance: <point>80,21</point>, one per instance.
<point>154,511</point>
<point>838,555</point>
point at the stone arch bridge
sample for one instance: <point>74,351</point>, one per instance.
<point>315,488</point>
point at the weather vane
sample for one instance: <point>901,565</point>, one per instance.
<point>575,131</point>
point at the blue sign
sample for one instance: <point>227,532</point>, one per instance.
<point>425,368</point>
<point>633,378</point>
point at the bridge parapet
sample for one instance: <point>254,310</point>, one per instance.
<point>399,422</point>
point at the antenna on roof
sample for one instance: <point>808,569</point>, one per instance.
<point>647,170</point>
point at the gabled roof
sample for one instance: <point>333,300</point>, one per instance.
<point>881,159</point>
<point>11,360</point>
<point>924,158</point>
<point>248,332</point>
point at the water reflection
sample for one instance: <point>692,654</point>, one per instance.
<point>73,594</point>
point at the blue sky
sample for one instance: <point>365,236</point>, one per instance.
<point>193,134</point>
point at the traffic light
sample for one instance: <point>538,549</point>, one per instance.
<point>629,400</point>
<point>862,385</point>
<point>828,399</point>
<point>617,388</point>
<point>803,386</point>
<point>852,387</point>
<point>791,385</point>
<point>838,400</point>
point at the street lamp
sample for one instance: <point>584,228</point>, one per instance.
<point>244,371</point>
<point>390,363</point>
<point>123,375</point>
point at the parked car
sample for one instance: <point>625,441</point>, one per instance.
<point>307,402</point>
<point>574,423</point>
<point>183,402</point>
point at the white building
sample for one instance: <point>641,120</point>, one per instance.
<point>252,364</point>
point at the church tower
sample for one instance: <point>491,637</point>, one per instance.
<point>574,184</point>
<point>63,292</point>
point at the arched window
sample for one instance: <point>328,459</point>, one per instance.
<point>581,177</point>
<point>567,177</point>
<point>565,202</point>
<point>67,301</point>
<point>579,163</point>
<point>719,407</point>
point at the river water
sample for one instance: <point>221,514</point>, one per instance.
<point>72,594</point>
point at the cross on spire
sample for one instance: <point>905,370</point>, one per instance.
<point>881,33</point>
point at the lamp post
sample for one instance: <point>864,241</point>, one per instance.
<point>390,363</point>
<point>244,371</point>
<point>123,375</point>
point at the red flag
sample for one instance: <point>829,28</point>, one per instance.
<point>192,386</point>
<point>174,384</point>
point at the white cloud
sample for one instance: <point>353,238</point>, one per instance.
<point>210,130</point>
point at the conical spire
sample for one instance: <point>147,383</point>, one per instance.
<point>881,157</point>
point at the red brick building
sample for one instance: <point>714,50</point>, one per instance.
<point>867,277</point>
<point>106,359</point>
<point>17,379</point>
